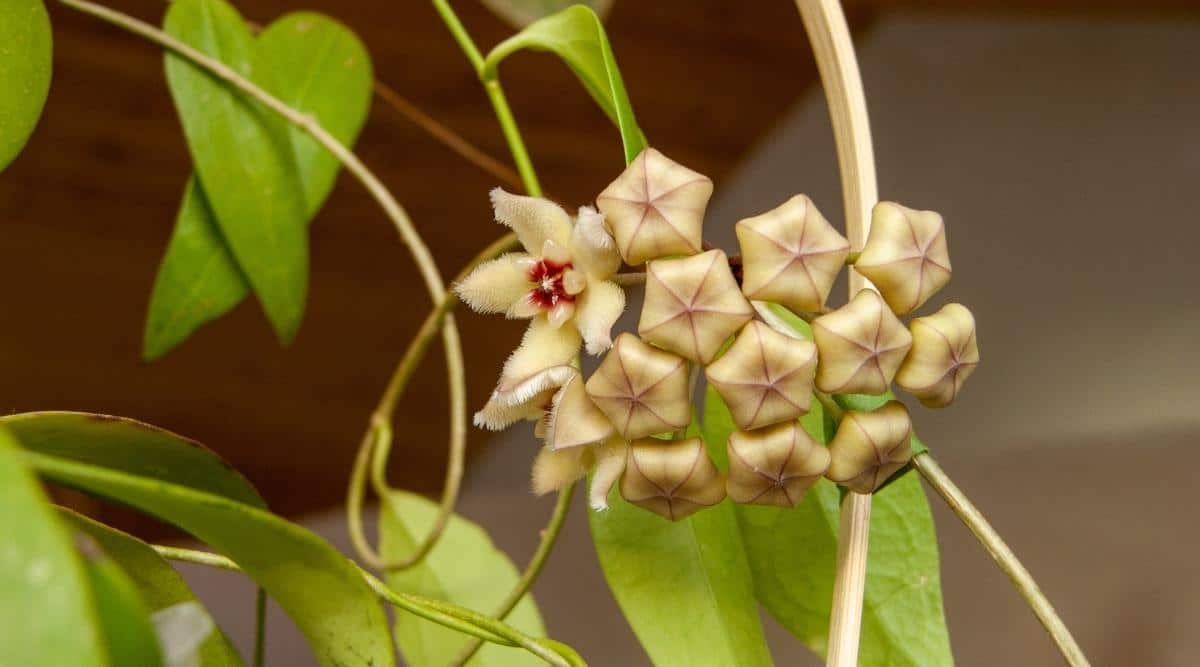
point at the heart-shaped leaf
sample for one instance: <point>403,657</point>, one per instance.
<point>464,568</point>
<point>318,66</point>
<point>243,158</point>
<point>685,587</point>
<point>47,616</point>
<point>158,583</point>
<point>25,66</point>
<point>577,36</point>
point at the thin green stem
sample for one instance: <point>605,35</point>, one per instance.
<point>378,435</point>
<point>532,570</point>
<point>1003,556</point>
<point>495,94</point>
<point>260,627</point>
<point>443,613</point>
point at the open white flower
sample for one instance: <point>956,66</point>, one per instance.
<point>561,282</point>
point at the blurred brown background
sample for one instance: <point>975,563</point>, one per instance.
<point>1060,139</point>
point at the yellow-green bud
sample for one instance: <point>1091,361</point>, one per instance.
<point>870,447</point>
<point>655,208</point>
<point>791,255</point>
<point>905,255</point>
<point>672,478</point>
<point>765,377</point>
<point>692,305</point>
<point>943,356</point>
<point>774,465</point>
<point>860,346</point>
<point>642,390</point>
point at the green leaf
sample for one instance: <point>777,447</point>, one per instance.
<point>46,613</point>
<point>133,447</point>
<point>322,591</point>
<point>685,587</point>
<point>26,46</point>
<point>244,159</point>
<point>319,67</point>
<point>464,568</point>
<point>520,13</point>
<point>577,36</point>
<point>793,556</point>
<point>123,616</point>
<point>159,585</point>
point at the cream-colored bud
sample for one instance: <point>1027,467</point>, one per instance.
<point>943,356</point>
<point>765,377</point>
<point>905,255</point>
<point>642,389</point>
<point>859,346</point>
<point>655,208</point>
<point>692,305</point>
<point>791,255</point>
<point>774,465</point>
<point>672,478</point>
<point>575,420</point>
<point>869,447</point>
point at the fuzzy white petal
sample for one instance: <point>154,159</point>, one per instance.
<point>610,463</point>
<point>543,347</point>
<point>535,220</point>
<point>498,414</point>
<point>592,246</point>
<point>497,286</point>
<point>596,312</point>
<point>554,469</point>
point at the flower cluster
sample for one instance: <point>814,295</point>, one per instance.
<point>626,423</point>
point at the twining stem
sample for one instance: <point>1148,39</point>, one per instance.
<point>260,627</point>
<point>833,49</point>
<point>532,570</point>
<point>443,613</point>
<point>1004,557</point>
<point>495,93</point>
<point>392,208</point>
<point>379,435</point>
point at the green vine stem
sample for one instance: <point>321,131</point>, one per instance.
<point>378,438</point>
<point>260,627</point>
<point>443,613</point>
<point>495,93</point>
<point>392,208</point>
<point>1004,557</point>
<point>530,575</point>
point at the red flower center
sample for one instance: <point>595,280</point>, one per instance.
<point>547,279</point>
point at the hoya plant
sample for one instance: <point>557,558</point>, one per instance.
<point>739,442</point>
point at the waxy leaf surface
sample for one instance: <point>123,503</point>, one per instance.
<point>26,46</point>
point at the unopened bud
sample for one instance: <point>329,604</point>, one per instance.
<point>672,478</point>
<point>943,356</point>
<point>765,377</point>
<point>860,346</point>
<point>791,255</point>
<point>642,390</point>
<point>870,447</point>
<point>574,418</point>
<point>692,305</point>
<point>775,465</point>
<point>905,255</point>
<point>655,208</point>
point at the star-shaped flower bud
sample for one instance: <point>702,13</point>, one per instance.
<point>860,346</point>
<point>692,305</point>
<point>655,208</point>
<point>869,447</point>
<point>765,377</point>
<point>642,389</point>
<point>672,478</point>
<point>791,255</point>
<point>943,356</point>
<point>775,465</point>
<point>575,420</point>
<point>905,255</point>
